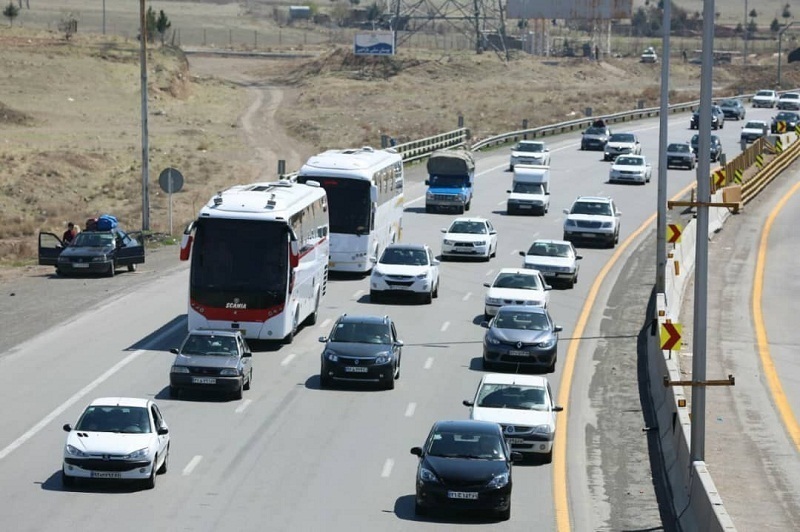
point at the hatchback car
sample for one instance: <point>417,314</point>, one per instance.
<point>97,252</point>
<point>469,237</point>
<point>784,122</point>
<point>361,349</point>
<point>212,360</point>
<point>680,154</point>
<point>521,336</point>
<point>556,260</point>
<point>595,138</point>
<point>765,98</point>
<point>622,144</point>
<point>523,405</point>
<point>533,152</point>
<point>754,130</point>
<point>789,101</point>
<point>119,438</point>
<point>630,169</point>
<point>515,286</point>
<point>717,118</point>
<point>715,146</point>
<point>592,219</point>
<point>733,108</point>
<point>405,269</point>
<point>464,465</point>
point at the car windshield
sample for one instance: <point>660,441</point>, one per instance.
<point>629,161</point>
<point>729,103</point>
<point>523,281</point>
<point>361,333</point>
<point>93,240</point>
<point>591,207</point>
<point>121,419</point>
<point>755,125</point>
<point>550,249</point>
<point>783,116</point>
<point>596,131</point>
<point>521,321</point>
<point>621,137</point>
<point>448,181</point>
<point>764,93</point>
<point>210,345</point>
<point>679,148</point>
<point>411,257</point>
<point>528,188</point>
<point>516,396</point>
<point>790,96</point>
<point>464,444</point>
<point>470,228</point>
<point>534,147</point>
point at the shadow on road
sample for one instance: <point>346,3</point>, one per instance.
<point>404,509</point>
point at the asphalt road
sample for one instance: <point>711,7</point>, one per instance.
<point>291,456</point>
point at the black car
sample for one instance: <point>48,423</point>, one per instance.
<point>789,119</point>
<point>680,154</point>
<point>361,349</point>
<point>595,138</point>
<point>521,336</point>
<point>715,146</point>
<point>212,360</point>
<point>732,108</point>
<point>91,252</point>
<point>717,118</point>
<point>465,465</point>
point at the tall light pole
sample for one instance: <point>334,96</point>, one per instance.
<point>145,140</point>
<point>104,17</point>
<point>744,57</point>
<point>661,223</point>
<point>780,50</point>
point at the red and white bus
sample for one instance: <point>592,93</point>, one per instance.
<point>259,259</point>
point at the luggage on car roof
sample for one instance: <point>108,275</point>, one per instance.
<point>106,222</point>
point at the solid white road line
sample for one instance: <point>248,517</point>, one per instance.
<point>242,407</point>
<point>191,465</point>
<point>466,296</point>
<point>286,361</point>
<point>358,294</point>
<point>410,409</point>
<point>387,468</point>
<point>445,325</point>
<point>428,363</point>
<point>325,323</point>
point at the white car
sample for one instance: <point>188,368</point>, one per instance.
<point>753,130</point>
<point>556,260</point>
<point>405,269</point>
<point>765,98</point>
<point>630,168</point>
<point>117,438</point>
<point>533,152</point>
<point>523,405</point>
<point>649,55</point>
<point>469,237</point>
<point>592,219</point>
<point>528,197</point>
<point>515,286</point>
<point>789,101</point>
<point>621,144</point>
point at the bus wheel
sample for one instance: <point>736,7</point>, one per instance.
<point>312,318</point>
<point>290,337</point>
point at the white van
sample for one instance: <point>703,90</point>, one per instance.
<point>530,190</point>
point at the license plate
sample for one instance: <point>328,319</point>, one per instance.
<point>355,369</point>
<point>80,265</point>
<point>525,206</point>
<point>515,441</point>
<point>106,474</point>
<point>462,494</point>
<point>331,264</point>
<point>589,235</point>
<point>518,353</point>
<point>203,380</point>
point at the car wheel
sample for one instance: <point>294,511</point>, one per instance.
<point>374,297</point>
<point>460,209</point>
<point>427,298</point>
<point>547,457</point>
<point>249,380</point>
<point>494,253</point>
<point>552,367</point>
<point>131,267</point>
<point>509,211</point>
<point>510,167</point>
<point>468,205</point>
<point>428,209</point>
<point>324,380</point>
<point>505,515</point>
<point>435,293</point>
<point>111,270</point>
<point>289,338</point>
<point>165,466</point>
<point>150,482</point>
<point>420,510</point>
<point>571,282</point>
<point>389,383</point>
<point>174,392</point>
<point>239,392</point>
<point>488,366</point>
<point>66,480</point>
<point>312,318</point>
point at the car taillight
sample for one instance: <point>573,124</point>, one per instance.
<point>186,247</point>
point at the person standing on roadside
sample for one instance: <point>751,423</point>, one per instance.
<point>69,234</point>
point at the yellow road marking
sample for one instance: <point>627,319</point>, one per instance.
<point>774,383</point>
<point>560,494</point>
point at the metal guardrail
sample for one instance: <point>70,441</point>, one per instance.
<point>752,187</point>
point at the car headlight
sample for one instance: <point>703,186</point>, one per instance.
<point>569,223</point>
<point>499,481</point>
<point>494,301</point>
<point>383,359</point>
<point>333,357</point>
<point>179,369</point>
<point>550,342</point>
<point>63,259</point>
<point>422,276</point>
<point>480,243</point>
<point>376,273</point>
<point>74,451</point>
<point>607,225</point>
<point>138,454</point>
<point>492,340</point>
<point>101,258</point>
<point>535,303</point>
<point>542,429</point>
<point>462,197</point>
<point>426,475</point>
<point>229,372</point>
<point>449,242</point>
<point>429,195</point>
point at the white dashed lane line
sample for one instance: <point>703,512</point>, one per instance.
<point>242,407</point>
<point>288,360</point>
<point>490,272</point>
<point>387,468</point>
<point>410,409</point>
<point>358,294</point>
<point>191,465</point>
<point>514,251</point>
<point>445,325</point>
<point>428,363</point>
<point>466,296</point>
<point>325,323</point>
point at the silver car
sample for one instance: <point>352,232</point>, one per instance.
<point>212,360</point>
<point>556,260</point>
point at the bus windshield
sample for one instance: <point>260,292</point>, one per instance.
<point>240,258</point>
<point>349,202</point>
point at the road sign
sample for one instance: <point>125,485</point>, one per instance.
<point>674,232</point>
<point>737,176</point>
<point>719,177</point>
<point>671,336</point>
<point>780,127</point>
<point>170,180</point>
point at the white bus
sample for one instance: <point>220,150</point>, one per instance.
<point>365,192</point>
<point>259,259</point>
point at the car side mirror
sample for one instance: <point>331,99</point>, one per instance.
<point>67,428</point>
<point>373,260</point>
<point>465,402</point>
<point>444,230</point>
<point>548,287</point>
<point>247,354</point>
<point>162,431</point>
<point>566,211</point>
<point>416,451</point>
<point>174,350</point>
<point>399,343</point>
<point>558,409</point>
<point>516,457</point>
<point>323,339</point>
<point>487,285</point>
<point>508,192</point>
<point>435,262</point>
<point>485,324</point>
<point>547,150</point>
<point>427,182</point>
<point>522,253</point>
<point>578,257</point>
<point>619,213</point>
<point>492,232</point>
<point>558,328</point>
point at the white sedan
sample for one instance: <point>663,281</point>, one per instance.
<point>516,286</point>
<point>523,405</point>
<point>469,237</point>
<point>630,168</point>
<point>556,260</point>
<point>117,438</point>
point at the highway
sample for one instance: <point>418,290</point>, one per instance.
<point>292,456</point>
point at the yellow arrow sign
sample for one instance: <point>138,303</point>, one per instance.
<point>674,232</point>
<point>671,337</point>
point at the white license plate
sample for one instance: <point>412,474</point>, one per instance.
<point>513,441</point>
<point>355,369</point>
<point>518,353</point>
<point>525,206</point>
<point>203,380</point>
<point>106,474</point>
<point>589,235</point>
<point>80,265</point>
<point>462,494</point>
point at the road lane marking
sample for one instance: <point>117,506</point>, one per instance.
<point>770,372</point>
<point>358,294</point>
<point>286,361</point>
<point>242,407</point>
<point>428,363</point>
<point>502,202</point>
<point>490,272</point>
<point>387,468</point>
<point>466,296</point>
<point>85,390</point>
<point>445,325</point>
<point>325,323</point>
<point>191,465</point>
<point>410,409</point>
<point>515,252</point>
<point>560,493</point>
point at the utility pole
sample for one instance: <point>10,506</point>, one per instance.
<point>145,139</point>
<point>780,48</point>
<point>661,222</point>
<point>744,57</point>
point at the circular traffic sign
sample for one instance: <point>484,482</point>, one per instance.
<point>170,180</point>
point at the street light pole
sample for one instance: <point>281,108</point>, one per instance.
<point>661,222</point>
<point>780,51</point>
<point>145,140</point>
<point>104,17</point>
<point>744,57</point>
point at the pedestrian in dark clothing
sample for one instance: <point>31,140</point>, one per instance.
<point>69,234</point>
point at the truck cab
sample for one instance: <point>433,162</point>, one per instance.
<point>451,176</point>
<point>530,190</point>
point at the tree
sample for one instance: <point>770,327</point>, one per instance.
<point>786,14</point>
<point>739,29</point>
<point>162,25</point>
<point>752,28</point>
<point>775,26</point>
<point>150,23</point>
<point>11,12</point>
<point>753,13</point>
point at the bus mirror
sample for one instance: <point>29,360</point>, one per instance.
<point>294,254</point>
